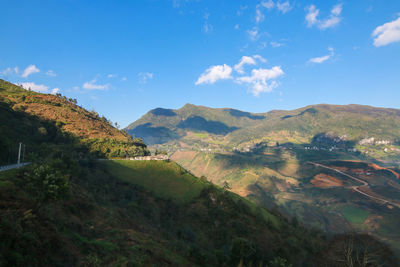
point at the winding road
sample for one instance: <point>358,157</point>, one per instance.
<point>357,188</point>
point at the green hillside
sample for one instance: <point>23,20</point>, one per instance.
<point>71,207</point>
<point>163,179</point>
<point>342,127</point>
<point>265,158</point>
<point>93,214</point>
<point>50,124</point>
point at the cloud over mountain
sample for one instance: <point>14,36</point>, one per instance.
<point>215,73</point>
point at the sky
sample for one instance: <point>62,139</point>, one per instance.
<point>123,58</point>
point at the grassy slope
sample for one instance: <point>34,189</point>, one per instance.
<point>164,179</point>
<point>35,119</point>
<point>71,117</point>
<point>108,220</point>
<point>168,180</point>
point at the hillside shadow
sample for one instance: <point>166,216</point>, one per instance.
<point>322,146</point>
<point>198,123</point>
<point>326,140</point>
<point>163,112</point>
<point>153,135</point>
<point>238,113</point>
<point>312,111</point>
<point>41,138</point>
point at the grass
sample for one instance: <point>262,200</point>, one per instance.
<point>201,135</point>
<point>354,215</point>
<point>165,179</point>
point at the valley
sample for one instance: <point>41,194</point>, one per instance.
<point>318,164</point>
<point>200,133</point>
<point>92,195</point>
<point>100,206</point>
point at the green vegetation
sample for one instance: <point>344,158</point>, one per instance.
<point>283,179</point>
<point>354,215</point>
<point>165,179</point>
<point>49,125</point>
<point>201,135</point>
<point>106,221</point>
<point>323,125</point>
<point>68,208</point>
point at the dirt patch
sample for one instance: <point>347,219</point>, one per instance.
<point>184,155</point>
<point>74,119</point>
<point>377,167</point>
<point>325,181</point>
<point>372,222</point>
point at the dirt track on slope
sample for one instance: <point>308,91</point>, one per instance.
<point>358,189</point>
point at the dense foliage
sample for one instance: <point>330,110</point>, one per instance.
<point>92,218</point>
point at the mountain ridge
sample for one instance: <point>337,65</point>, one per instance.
<point>228,129</point>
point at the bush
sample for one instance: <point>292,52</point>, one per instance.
<point>47,183</point>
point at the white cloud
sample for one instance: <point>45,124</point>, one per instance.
<point>31,69</point>
<point>319,60</point>
<point>236,27</point>
<point>111,75</point>
<point>259,16</point>
<point>55,91</point>
<point>311,16</point>
<point>284,7</point>
<point>245,60</point>
<point>337,10</point>
<point>259,80</point>
<point>260,58</point>
<point>41,88</point>
<point>10,71</point>
<point>253,34</point>
<point>241,10</point>
<point>215,73</point>
<point>144,76</point>
<point>93,86</point>
<point>262,80</point>
<point>276,44</point>
<point>51,73</point>
<point>331,21</point>
<point>123,79</point>
<point>268,4</point>
<point>387,33</point>
<point>207,27</point>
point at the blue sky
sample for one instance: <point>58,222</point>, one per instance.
<point>123,58</point>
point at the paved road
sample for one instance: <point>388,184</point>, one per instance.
<point>357,188</point>
<point>13,166</point>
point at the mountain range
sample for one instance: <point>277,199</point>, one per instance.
<point>81,201</point>
<point>348,126</point>
<point>334,167</point>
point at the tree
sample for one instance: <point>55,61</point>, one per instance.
<point>226,186</point>
<point>47,183</point>
<point>161,152</point>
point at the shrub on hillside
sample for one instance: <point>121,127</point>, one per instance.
<point>47,183</point>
